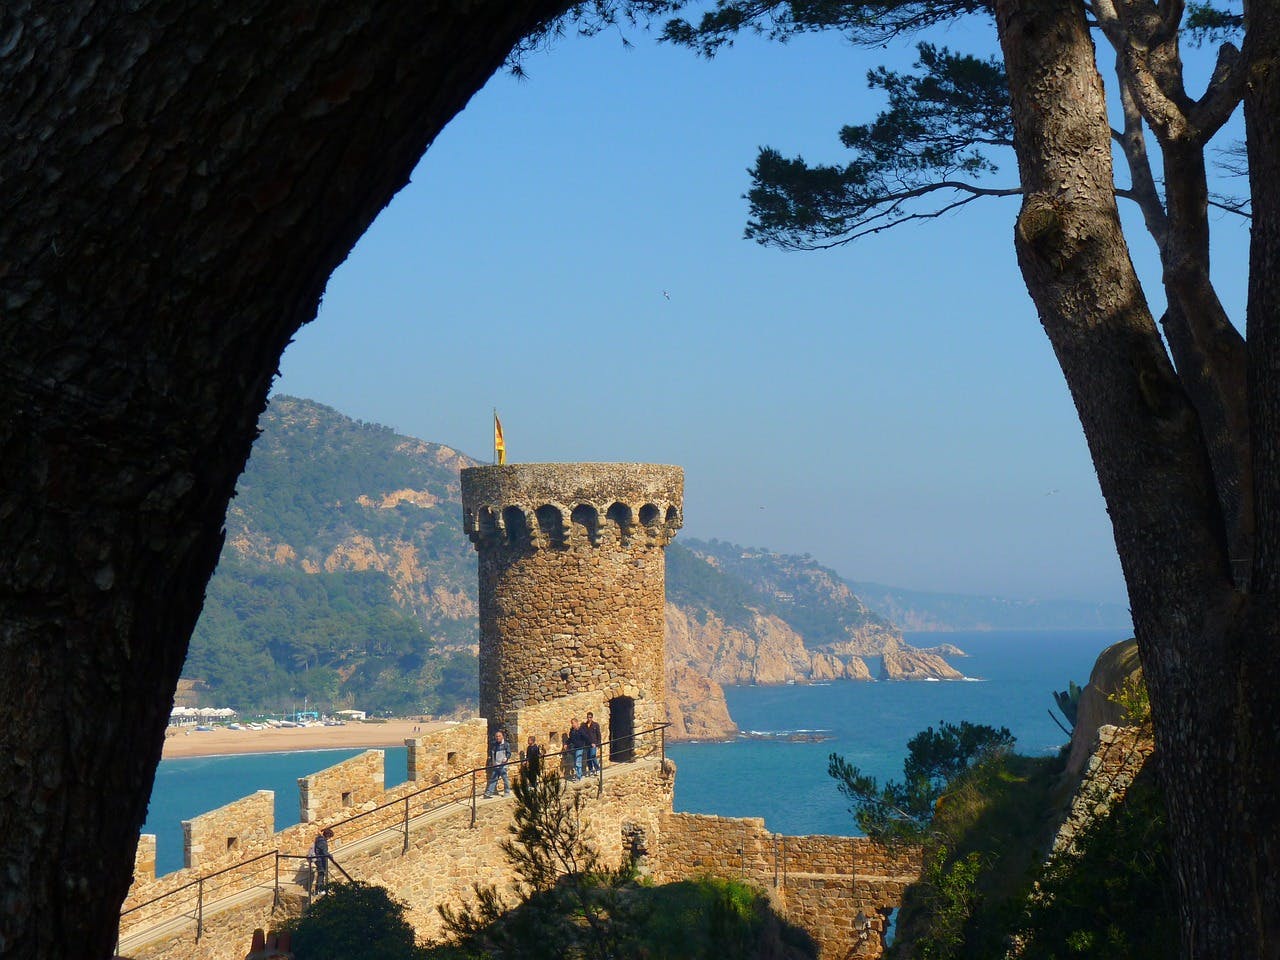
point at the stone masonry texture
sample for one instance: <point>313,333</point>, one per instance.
<point>819,882</point>
<point>572,586</point>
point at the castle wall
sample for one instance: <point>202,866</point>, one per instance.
<point>241,828</point>
<point>251,820</point>
<point>346,784</point>
<point>446,858</point>
<point>447,752</point>
<point>819,882</point>
<point>225,936</point>
<point>1118,756</point>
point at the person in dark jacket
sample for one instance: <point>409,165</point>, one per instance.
<point>593,743</point>
<point>319,856</point>
<point>532,760</point>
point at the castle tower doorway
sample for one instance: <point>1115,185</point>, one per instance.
<point>622,729</point>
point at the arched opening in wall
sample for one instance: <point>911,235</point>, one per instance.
<point>488,522</point>
<point>888,925</point>
<point>622,729</point>
<point>649,515</point>
<point>551,523</point>
<point>586,516</point>
<point>620,515</point>
<point>517,525</point>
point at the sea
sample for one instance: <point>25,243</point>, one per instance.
<point>1009,681</point>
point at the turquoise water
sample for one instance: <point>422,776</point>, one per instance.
<point>784,782</point>
<point>191,786</point>
<point>1012,674</point>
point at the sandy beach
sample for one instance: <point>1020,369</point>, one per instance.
<point>393,733</point>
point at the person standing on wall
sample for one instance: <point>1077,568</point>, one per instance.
<point>532,760</point>
<point>499,754</point>
<point>593,743</point>
<point>320,857</point>
<point>577,745</point>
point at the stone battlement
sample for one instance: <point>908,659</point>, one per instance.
<point>554,505</point>
<point>433,854</point>
<point>245,828</point>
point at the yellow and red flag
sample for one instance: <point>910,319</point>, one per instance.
<point>499,444</point>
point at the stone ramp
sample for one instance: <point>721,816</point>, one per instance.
<point>179,923</point>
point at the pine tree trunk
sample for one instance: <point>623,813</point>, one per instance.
<point>1209,651</point>
<point>179,180</point>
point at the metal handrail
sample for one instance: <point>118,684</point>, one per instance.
<point>198,883</point>
<point>200,879</point>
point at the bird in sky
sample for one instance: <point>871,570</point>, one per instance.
<point>667,295</point>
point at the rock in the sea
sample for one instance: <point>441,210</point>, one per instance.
<point>696,708</point>
<point>901,662</point>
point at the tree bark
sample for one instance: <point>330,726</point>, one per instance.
<point>1208,649</point>
<point>179,182</point>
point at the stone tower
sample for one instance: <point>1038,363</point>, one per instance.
<point>572,593</point>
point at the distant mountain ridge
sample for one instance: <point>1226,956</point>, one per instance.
<point>798,619</point>
<point>924,611</point>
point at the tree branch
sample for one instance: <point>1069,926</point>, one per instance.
<point>888,214</point>
<point>1231,205</point>
<point>1134,147</point>
<point>1222,94</point>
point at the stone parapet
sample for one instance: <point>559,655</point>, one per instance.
<point>819,882</point>
<point>144,858</point>
<point>346,784</point>
<point>241,828</point>
<point>447,752</point>
<point>545,505</point>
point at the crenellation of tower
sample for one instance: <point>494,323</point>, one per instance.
<point>572,586</point>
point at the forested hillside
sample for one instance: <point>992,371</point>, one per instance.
<point>345,576</point>
<point>810,597</point>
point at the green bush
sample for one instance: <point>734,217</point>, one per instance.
<point>935,762</point>
<point>355,920</point>
<point>1115,896</point>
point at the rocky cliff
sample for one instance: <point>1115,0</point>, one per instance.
<point>753,616</point>
<point>1115,666</point>
<point>696,708</point>
<point>764,650</point>
<point>902,662</point>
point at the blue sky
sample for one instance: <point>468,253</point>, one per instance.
<point>892,408</point>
